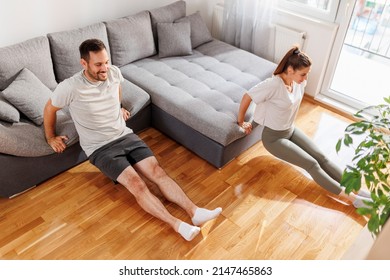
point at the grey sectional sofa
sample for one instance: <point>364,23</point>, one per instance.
<point>178,79</point>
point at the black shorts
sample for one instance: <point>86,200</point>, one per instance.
<point>116,156</point>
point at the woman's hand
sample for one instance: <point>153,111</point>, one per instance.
<point>245,102</point>
<point>125,114</point>
<point>246,126</point>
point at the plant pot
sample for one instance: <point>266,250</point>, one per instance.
<point>361,246</point>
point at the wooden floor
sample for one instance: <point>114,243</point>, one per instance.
<point>271,210</point>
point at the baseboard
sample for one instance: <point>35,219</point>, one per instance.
<point>333,106</point>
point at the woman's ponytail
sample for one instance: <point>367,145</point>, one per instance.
<point>294,58</point>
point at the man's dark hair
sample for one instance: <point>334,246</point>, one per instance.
<point>90,45</point>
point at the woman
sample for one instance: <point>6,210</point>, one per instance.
<point>277,102</point>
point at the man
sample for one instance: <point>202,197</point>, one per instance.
<point>94,99</point>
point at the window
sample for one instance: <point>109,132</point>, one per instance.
<point>321,9</point>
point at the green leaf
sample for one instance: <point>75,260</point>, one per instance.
<point>338,145</point>
<point>373,224</point>
<point>364,211</point>
<point>347,140</point>
<point>351,181</point>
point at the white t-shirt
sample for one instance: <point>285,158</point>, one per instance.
<point>94,107</point>
<point>276,107</point>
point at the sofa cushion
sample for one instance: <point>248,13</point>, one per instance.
<point>174,39</point>
<point>8,112</point>
<point>33,54</point>
<point>200,34</point>
<point>202,90</point>
<point>65,48</point>
<point>168,13</point>
<point>28,140</point>
<point>130,38</point>
<point>29,95</point>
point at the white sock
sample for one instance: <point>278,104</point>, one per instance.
<point>187,231</point>
<point>359,202</point>
<point>364,193</point>
<point>203,215</point>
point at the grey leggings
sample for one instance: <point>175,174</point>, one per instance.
<point>295,147</point>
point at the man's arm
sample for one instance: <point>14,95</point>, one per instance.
<point>120,94</point>
<point>49,122</point>
<point>125,113</point>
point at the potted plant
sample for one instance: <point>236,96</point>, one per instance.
<point>370,164</point>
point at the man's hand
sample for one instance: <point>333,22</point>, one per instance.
<point>125,114</point>
<point>246,126</point>
<point>57,143</point>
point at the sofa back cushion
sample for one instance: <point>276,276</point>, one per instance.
<point>33,54</point>
<point>130,38</point>
<point>200,34</point>
<point>65,48</point>
<point>168,13</point>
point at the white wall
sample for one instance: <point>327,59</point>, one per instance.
<point>24,19</point>
<point>320,36</point>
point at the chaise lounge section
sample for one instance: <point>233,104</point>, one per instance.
<point>195,98</point>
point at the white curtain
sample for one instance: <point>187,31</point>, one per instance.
<point>247,24</point>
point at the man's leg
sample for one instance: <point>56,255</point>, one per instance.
<point>151,169</point>
<point>151,204</point>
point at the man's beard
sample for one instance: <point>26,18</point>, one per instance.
<point>97,76</point>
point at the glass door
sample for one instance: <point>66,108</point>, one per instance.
<point>361,75</point>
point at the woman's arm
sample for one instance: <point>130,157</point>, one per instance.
<point>245,102</point>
